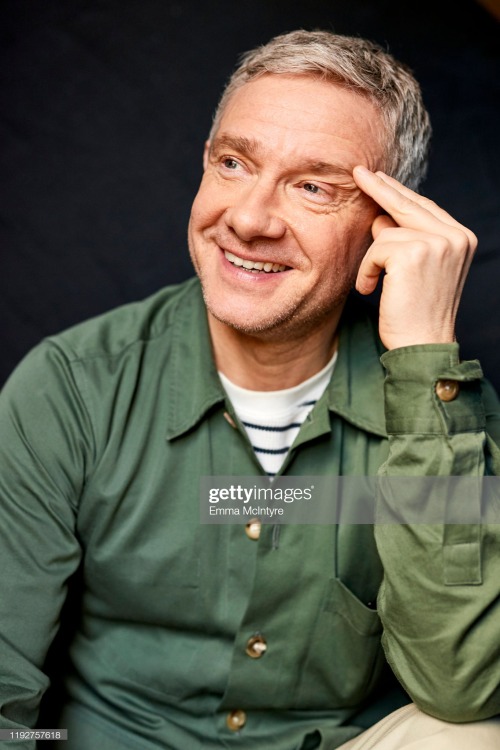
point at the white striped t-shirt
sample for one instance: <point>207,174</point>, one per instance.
<point>272,419</point>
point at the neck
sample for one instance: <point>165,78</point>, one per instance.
<point>271,364</point>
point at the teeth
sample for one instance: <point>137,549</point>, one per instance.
<point>249,265</point>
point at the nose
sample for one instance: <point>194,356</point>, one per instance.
<point>254,213</point>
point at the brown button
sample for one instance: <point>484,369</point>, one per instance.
<point>447,390</point>
<point>256,646</point>
<point>236,720</point>
<point>252,529</point>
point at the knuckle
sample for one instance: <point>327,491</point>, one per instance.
<point>473,240</point>
<point>461,240</point>
<point>405,205</point>
<point>427,203</point>
<point>442,245</point>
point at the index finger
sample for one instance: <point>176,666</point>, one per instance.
<point>407,208</point>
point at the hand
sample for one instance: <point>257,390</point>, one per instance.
<point>425,254</point>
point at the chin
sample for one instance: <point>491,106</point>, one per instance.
<point>249,324</point>
<point>288,325</point>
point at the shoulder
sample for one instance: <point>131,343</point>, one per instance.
<point>120,329</point>
<point>72,387</point>
<point>106,348</point>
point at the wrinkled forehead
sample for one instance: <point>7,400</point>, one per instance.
<point>303,113</point>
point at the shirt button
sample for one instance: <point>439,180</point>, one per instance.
<point>447,390</point>
<point>236,720</point>
<point>256,646</point>
<point>252,529</point>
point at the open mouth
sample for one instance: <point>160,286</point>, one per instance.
<point>254,267</point>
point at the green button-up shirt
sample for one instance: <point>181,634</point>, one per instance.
<point>105,431</point>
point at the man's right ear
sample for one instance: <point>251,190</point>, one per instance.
<point>206,152</point>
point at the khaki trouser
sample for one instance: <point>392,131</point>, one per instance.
<point>410,728</point>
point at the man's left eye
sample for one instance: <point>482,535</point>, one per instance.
<point>230,163</point>
<point>310,188</point>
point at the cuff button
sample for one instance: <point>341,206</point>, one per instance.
<point>256,646</point>
<point>236,720</point>
<point>447,390</point>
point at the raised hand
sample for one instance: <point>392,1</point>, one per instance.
<point>425,254</point>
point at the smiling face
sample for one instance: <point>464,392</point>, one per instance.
<point>278,227</point>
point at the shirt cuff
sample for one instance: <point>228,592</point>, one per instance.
<point>429,391</point>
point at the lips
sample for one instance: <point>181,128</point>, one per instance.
<point>254,266</point>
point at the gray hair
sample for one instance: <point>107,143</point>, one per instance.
<point>359,65</point>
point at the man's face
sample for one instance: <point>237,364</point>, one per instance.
<point>279,227</point>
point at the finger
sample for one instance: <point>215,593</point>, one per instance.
<point>401,203</point>
<point>428,204</point>
<point>369,272</point>
<point>381,222</point>
<point>407,208</point>
<point>406,238</point>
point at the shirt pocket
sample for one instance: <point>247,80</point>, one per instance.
<point>345,656</point>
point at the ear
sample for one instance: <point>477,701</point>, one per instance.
<point>206,152</point>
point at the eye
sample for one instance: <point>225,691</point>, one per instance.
<point>310,188</point>
<point>230,167</point>
<point>317,193</point>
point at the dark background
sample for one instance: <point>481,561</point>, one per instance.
<point>104,108</point>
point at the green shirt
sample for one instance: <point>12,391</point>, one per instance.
<point>105,431</point>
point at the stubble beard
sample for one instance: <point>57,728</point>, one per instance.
<point>296,318</point>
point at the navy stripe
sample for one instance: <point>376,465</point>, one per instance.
<point>272,429</point>
<point>271,451</point>
<point>308,403</point>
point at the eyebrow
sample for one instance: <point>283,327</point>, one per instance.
<point>239,143</point>
<point>251,147</point>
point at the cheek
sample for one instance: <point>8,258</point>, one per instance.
<point>205,204</point>
<point>198,211</point>
<point>358,235</point>
<point>341,248</point>
<point>356,245</point>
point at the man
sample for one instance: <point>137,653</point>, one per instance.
<point>264,636</point>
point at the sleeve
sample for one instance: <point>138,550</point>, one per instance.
<point>45,448</point>
<point>440,597</point>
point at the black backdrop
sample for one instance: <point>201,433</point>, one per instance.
<point>104,107</point>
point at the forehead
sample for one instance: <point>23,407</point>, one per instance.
<point>294,114</point>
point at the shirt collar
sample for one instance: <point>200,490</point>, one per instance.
<point>195,387</point>
<point>355,391</point>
